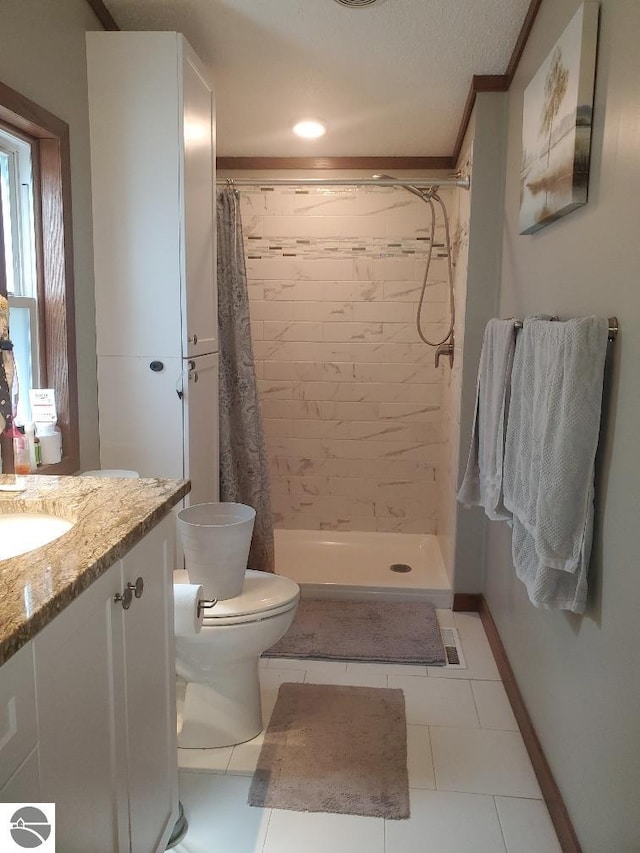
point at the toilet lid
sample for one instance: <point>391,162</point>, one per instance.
<point>262,592</point>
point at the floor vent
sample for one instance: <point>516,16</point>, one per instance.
<point>452,648</point>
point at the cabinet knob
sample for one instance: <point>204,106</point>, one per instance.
<point>136,588</point>
<point>193,339</point>
<point>126,597</point>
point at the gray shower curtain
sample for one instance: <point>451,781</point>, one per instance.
<point>244,474</point>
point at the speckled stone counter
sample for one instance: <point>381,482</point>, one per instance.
<point>110,516</point>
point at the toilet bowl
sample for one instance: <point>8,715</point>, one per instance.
<point>220,663</point>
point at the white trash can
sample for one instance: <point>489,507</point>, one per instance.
<point>216,538</point>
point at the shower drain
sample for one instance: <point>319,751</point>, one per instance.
<point>400,568</point>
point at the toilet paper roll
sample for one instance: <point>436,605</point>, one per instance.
<point>186,621</point>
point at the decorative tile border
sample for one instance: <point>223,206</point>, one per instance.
<point>315,248</point>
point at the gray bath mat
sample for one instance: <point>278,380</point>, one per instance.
<point>382,632</point>
<point>337,749</point>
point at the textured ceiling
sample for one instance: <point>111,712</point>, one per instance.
<point>389,79</point>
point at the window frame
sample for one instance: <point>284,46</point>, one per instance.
<point>51,165</point>
<point>22,234</point>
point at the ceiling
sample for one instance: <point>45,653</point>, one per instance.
<point>389,79</point>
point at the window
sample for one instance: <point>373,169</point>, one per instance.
<point>36,260</point>
<point>18,231</point>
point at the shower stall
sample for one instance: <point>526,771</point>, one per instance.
<point>356,413</point>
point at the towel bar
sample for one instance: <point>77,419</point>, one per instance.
<point>613,326</point>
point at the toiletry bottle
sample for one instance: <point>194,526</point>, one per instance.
<point>21,463</point>
<point>30,432</point>
<point>50,443</point>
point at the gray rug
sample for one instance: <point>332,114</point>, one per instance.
<point>330,748</point>
<point>382,632</point>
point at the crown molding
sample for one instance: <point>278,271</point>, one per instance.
<point>324,163</point>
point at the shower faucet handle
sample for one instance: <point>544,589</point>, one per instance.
<point>447,348</point>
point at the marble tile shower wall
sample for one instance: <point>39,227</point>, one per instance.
<point>350,397</point>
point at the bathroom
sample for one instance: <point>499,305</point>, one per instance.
<point>573,673</point>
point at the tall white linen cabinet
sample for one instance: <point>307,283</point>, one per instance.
<point>152,126</point>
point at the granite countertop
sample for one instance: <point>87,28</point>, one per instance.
<point>109,515</point>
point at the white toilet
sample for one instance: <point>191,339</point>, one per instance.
<point>253,611</point>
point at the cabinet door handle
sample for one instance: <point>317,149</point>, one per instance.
<point>136,588</point>
<point>193,339</point>
<point>126,597</point>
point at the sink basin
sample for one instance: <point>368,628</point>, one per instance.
<point>26,531</point>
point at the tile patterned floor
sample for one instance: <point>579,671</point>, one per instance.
<point>472,787</point>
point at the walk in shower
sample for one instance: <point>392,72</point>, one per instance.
<point>354,408</point>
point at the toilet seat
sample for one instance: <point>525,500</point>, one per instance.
<point>264,595</point>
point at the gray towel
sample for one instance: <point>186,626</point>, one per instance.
<point>482,482</point>
<point>552,437</point>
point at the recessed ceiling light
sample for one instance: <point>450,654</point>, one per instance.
<point>309,129</point>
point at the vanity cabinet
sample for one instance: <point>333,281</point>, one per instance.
<point>104,680</point>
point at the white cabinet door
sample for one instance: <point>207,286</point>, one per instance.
<point>150,691</point>
<point>201,429</point>
<point>18,726</point>
<point>136,156</point>
<point>153,193</point>
<point>81,724</point>
<point>24,785</point>
<point>199,299</point>
<point>141,415</point>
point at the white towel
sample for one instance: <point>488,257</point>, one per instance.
<point>482,482</point>
<point>552,437</point>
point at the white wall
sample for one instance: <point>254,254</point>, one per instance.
<point>486,142</point>
<point>42,56</point>
<point>460,215</point>
<point>579,676</point>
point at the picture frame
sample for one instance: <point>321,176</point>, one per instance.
<point>556,125</point>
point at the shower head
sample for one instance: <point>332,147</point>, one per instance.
<point>425,195</point>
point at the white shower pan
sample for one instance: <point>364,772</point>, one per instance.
<point>356,566</point>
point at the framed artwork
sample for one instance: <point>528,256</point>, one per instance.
<point>556,126</point>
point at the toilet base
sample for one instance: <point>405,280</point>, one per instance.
<point>223,712</point>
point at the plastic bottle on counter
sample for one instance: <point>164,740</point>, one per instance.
<point>50,443</point>
<point>21,463</point>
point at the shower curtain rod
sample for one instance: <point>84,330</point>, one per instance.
<point>457,180</point>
